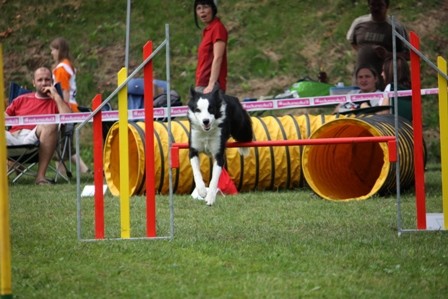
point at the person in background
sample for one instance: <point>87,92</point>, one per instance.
<point>367,80</point>
<point>45,100</point>
<point>371,37</point>
<point>211,68</point>
<point>64,73</point>
<point>403,83</point>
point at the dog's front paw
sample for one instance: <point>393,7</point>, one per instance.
<point>211,196</point>
<point>202,191</point>
<point>210,199</point>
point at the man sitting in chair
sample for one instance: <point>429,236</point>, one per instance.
<point>45,100</point>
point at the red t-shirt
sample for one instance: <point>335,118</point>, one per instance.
<point>30,104</point>
<point>214,32</point>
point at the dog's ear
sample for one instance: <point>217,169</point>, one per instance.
<point>192,92</point>
<point>215,88</point>
<point>216,92</point>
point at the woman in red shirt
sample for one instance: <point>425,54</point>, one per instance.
<point>211,69</point>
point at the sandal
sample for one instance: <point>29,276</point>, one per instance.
<point>43,182</point>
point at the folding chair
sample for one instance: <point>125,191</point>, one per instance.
<point>23,158</point>
<point>404,104</point>
<point>64,149</point>
<point>63,152</point>
<point>16,90</point>
<point>136,91</point>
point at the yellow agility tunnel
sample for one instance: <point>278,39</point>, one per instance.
<point>266,168</point>
<point>358,170</point>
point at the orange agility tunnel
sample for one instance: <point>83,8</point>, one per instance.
<point>334,172</point>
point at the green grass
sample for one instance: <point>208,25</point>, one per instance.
<point>288,244</point>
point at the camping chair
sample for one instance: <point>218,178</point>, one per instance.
<point>136,91</point>
<point>64,150</point>
<point>23,158</point>
<point>404,104</point>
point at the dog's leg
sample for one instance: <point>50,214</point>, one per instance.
<point>198,181</point>
<point>213,186</point>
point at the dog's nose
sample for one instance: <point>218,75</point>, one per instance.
<point>206,121</point>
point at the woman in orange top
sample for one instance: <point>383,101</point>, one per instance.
<point>65,73</point>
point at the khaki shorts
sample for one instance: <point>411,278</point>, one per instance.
<point>22,137</point>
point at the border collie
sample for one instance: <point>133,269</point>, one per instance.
<point>214,118</point>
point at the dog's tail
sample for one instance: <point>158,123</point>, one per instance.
<point>243,132</point>
<point>241,123</point>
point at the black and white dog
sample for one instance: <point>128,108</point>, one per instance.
<point>214,117</point>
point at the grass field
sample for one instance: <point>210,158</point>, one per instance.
<point>288,244</point>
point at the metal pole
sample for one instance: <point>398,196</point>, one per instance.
<point>78,184</point>
<point>170,143</point>
<point>128,29</point>
<point>397,165</point>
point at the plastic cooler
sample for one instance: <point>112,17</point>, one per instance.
<point>342,90</point>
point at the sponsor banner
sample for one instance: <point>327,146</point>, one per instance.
<point>256,106</point>
<point>181,111</point>
<point>109,115</point>
<point>40,119</point>
<point>178,111</point>
<point>366,96</point>
<point>302,102</point>
<point>73,117</point>
<point>405,93</point>
<point>159,112</point>
<point>12,121</point>
<point>330,100</point>
<point>140,113</point>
